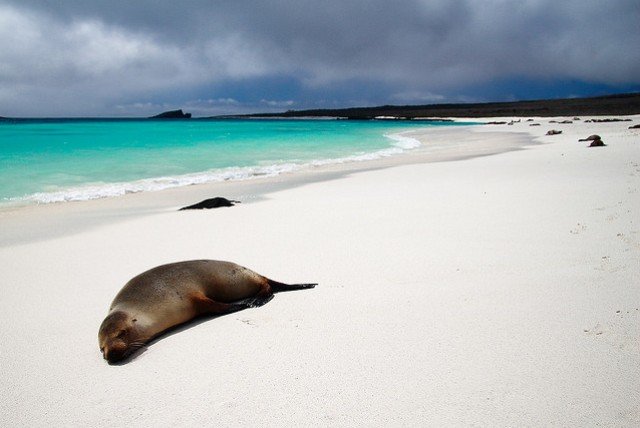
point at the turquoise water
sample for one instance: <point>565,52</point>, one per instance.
<point>45,161</point>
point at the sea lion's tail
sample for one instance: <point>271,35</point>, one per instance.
<point>279,286</point>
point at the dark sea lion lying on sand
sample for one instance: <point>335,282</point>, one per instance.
<point>216,202</point>
<point>595,139</point>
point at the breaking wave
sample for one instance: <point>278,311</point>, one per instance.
<point>399,143</point>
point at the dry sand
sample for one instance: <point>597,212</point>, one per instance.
<point>497,290</point>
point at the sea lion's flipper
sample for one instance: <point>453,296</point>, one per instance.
<point>279,286</point>
<point>205,305</point>
<point>254,302</point>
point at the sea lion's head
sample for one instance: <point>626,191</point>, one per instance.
<point>118,336</point>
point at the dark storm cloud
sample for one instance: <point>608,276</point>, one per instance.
<point>78,56</point>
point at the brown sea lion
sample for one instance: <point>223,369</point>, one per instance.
<point>169,295</point>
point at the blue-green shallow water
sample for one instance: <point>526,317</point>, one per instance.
<point>63,160</point>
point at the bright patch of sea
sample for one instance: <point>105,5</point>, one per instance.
<point>43,161</point>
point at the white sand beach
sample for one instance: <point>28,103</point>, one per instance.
<point>454,290</point>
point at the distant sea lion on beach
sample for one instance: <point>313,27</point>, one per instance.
<point>216,202</point>
<point>172,294</point>
<point>595,139</point>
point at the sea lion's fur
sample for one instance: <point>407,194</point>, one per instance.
<point>172,294</point>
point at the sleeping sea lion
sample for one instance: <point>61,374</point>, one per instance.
<point>172,294</point>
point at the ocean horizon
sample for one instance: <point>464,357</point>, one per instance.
<point>60,160</point>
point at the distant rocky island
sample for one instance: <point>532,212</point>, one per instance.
<point>621,104</point>
<point>172,114</point>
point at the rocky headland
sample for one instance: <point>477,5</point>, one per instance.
<point>172,114</point>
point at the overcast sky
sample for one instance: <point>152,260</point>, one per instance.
<point>136,58</point>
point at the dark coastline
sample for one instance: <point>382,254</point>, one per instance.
<point>610,105</point>
<point>621,104</point>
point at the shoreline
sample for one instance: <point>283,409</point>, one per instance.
<point>36,221</point>
<point>33,222</point>
<point>387,141</point>
<point>494,290</point>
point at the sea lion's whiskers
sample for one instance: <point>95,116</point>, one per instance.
<point>133,347</point>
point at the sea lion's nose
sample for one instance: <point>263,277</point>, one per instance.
<point>108,355</point>
<point>115,353</point>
